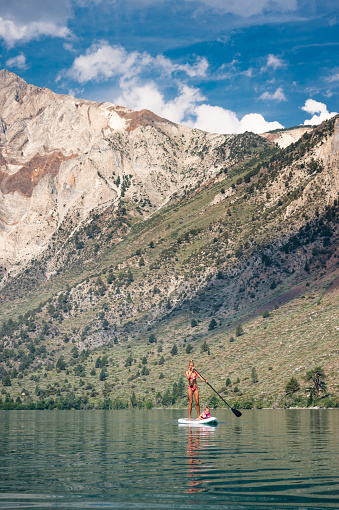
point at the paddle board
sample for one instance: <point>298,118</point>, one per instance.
<point>212,422</point>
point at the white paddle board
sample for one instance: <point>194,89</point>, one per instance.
<point>212,422</point>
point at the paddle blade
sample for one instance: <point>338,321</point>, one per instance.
<point>236,412</point>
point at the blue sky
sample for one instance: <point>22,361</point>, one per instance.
<point>221,65</point>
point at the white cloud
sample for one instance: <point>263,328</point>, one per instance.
<point>328,93</point>
<point>218,120</point>
<point>102,61</point>
<point>12,32</point>
<point>278,95</point>
<point>248,72</point>
<point>273,62</point>
<point>319,112</point>
<point>199,68</point>
<point>18,62</point>
<point>186,108</point>
<point>137,91</point>
<point>334,77</point>
<point>148,95</point>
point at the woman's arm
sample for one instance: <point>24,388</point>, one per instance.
<point>188,375</point>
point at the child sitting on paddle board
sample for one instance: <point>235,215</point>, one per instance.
<point>205,414</point>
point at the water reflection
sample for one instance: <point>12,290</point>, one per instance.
<point>269,460</point>
<point>196,475</point>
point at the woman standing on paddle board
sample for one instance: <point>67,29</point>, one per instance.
<point>192,375</point>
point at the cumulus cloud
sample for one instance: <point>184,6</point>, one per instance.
<point>273,62</point>
<point>12,32</point>
<point>102,61</point>
<point>319,112</point>
<point>220,120</point>
<point>148,95</point>
<point>278,95</point>
<point>186,108</point>
<point>132,71</point>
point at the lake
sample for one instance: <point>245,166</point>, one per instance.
<point>267,459</point>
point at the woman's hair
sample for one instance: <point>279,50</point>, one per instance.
<point>191,361</point>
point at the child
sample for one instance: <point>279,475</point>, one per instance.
<point>205,414</point>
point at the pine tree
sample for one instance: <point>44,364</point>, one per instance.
<point>181,387</point>
<point>254,375</point>
<point>317,377</point>
<point>134,400</point>
<point>174,350</point>
<point>212,325</point>
<point>189,349</point>
<point>292,386</point>
<point>205,347</point>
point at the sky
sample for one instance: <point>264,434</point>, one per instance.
<point>225,66</point>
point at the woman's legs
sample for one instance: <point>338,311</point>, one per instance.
<point>196,396</point>
<point>190,397</point>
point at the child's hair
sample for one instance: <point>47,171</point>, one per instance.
<point>207,408</point>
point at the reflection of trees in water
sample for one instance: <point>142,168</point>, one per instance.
<point>319,421</point>
<point>319,429</point>
<point>293,421</point>
<point>196,476</point>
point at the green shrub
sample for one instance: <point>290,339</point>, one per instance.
<point>212,325</point>
<point>174,350</point>
<point>239,330</point>
<point>152,339</point>
<point>213,401</point>
<point>189,349</point>
<point>205,347</point>
<point>144,370</point>
<point>6,381</point>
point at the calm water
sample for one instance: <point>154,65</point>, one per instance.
<point>141,459</point>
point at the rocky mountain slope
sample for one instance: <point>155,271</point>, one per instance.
<point>174,238</point>
<point>63,157</point>
<point>284,137</point>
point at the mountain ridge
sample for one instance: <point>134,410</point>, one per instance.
<point>242,227</point>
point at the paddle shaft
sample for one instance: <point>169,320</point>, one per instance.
<point>234,411</point>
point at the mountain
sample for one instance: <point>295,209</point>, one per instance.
<point>125,235</point>
<point>63,158</point>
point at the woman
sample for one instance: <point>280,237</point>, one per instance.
<point>192,375</point>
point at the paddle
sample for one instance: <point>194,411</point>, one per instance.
<point>234,411</point>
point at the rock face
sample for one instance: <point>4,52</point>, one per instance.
<point>63,156</point>
<point>287,136</point>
